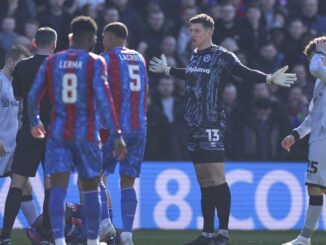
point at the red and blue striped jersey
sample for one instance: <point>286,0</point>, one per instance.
<point>128,81</point>
<point>76,82</point>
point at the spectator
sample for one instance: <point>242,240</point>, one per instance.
<point>268,9</point>
<point>30,28</point>
<point>253,32</point>
<point>297,108</point>
<point>168,110</point>
<point>227,25</point>
<point>109,15</point>
<point>293,53</point>
<point>303,80</point>
<point>269,60</point>
<point>17,9</point>
<point>315,23</point>
<point>131,19</point>
<point>8,35</point>
<point>230,44</point>
<point>262,91</point>
<point>262,133</point>
<point>56,17</point>
<point>234,118</point>
<point>184,38</point>
<point>24,42</point>
<point>95,3</point>
<point>277,36</point>
<point>157,27</point>
<point>168,47</point>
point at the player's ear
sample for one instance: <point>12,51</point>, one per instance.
<point>34,43</point>
<point>54,45</point>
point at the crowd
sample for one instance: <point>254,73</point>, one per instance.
<point>264,34</point>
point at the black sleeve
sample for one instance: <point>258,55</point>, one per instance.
<point>16,82</point>
<point>248,74</point>
<point>178,73</point>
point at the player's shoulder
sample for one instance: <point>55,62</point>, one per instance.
<point>97,59</point>
<point>25,62</point>
<point>56,55</point>
<point>219,50</point>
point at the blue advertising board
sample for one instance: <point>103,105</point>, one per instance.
<point>264,196</point>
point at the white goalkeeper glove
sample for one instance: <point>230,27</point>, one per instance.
<point>280,78</point>
<point>158,65</point>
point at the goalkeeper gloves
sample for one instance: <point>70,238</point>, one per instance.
<point>280,78</point>
<point>157,65</point>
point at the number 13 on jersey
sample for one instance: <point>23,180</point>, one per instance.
<point>69,88</point>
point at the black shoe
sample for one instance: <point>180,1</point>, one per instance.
<point>201,240</point>
<point>110,241</point>
<point>221,240</point>
<point>5,241</point>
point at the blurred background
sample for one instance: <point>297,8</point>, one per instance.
<point>264,34</point>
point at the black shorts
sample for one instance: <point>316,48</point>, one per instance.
<point>29,153</point>
<point>206,145</point>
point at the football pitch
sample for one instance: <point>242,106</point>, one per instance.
<point>177,237</point>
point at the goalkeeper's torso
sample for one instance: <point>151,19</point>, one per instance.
<point>207,73</point>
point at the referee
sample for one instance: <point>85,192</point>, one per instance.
<point>29,151</point>
<point>208,71</point>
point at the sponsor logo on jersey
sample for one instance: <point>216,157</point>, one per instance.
<point>5,103</point>
<point>198,69</point>
<point>207,58</point>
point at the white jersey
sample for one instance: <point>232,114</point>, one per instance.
<point>315,121</point>
<point>9,107</point>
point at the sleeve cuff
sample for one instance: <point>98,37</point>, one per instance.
<point>296,135</point>
<point>35,122</point>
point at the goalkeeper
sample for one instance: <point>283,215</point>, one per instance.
<point>208,70</point>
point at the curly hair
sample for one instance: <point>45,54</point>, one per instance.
<point>311,46</point>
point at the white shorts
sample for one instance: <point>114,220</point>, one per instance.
<point>316,170</point>
<point>6,163</point>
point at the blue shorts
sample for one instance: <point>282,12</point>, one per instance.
<point>67,156</point>
<point>131,165</point>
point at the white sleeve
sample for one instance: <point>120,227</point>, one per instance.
<point>305,127</point>
<point>317,67</point>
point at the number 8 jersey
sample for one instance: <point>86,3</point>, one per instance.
<point>76,82</point>
<point>128,81</point>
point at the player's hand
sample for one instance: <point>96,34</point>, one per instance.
<point>281,78</point>
<point>287,142</point>
<point>2,150</point>
<point>159,65</point>
<point>38,132</point>
<point>321,47</point>
<point>120,148</point>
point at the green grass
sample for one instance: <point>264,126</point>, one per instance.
<point>174,237</point>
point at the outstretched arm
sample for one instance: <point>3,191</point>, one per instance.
<point>279,77</point>
<point>159,65</point>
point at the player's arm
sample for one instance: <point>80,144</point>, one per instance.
<point>35,96</point>
<point>159,65</point>
<point>16,82</point>
<point>317,65</point>
<point>105,103</point>
<point>280,77</point>
<point>298,133</point>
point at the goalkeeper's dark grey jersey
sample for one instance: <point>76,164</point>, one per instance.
<point>207,73</point>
